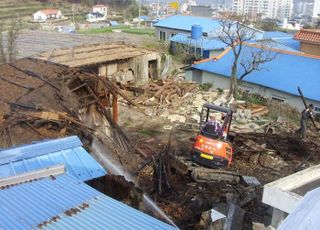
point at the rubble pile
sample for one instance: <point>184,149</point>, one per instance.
<point>164,93</point>
<point>41,100</point>
<point>264,150</point>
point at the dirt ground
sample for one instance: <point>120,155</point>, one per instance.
<point>266,157</point>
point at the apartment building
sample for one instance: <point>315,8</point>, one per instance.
<point>255,9</point>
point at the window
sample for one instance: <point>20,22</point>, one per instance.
<point>317,109</point>
<point>162,36</point>
<point>277,99</point>
<point>173,34</point>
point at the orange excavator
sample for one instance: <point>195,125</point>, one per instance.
<point>212,147</point>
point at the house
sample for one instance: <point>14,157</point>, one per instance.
<point>211,46</point>
<point>310,41</point>
<point>44,186</point>
<point>47,14</point>
<point>180,24</point>
<point>95,17</point>
<point>278,80</point>
<point>101,9</point>
<point>124,63</point>
<point>205,47</point>
<point>283,38</point>
<point>141,18</point>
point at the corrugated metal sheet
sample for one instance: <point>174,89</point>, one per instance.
<point>306,215</point>
<point>67,151</point>
<point>204,43</point>
<point>63,202</point>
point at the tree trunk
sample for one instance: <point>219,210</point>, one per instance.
<point>233,81</point>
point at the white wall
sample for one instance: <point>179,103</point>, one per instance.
<point>316,9</point>
<point>39,16</point>
<point>222,82</point>
<point>101,10</point>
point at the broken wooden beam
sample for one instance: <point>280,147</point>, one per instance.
<point>78,87</point>
<point>16,83</point>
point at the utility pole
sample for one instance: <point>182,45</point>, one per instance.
<point>158,6</point>
<point>73,13</point>
<point>139,21</point>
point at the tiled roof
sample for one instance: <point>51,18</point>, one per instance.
<point>308,35</point>
<point>49,11</point>
<point>63,202</point>
<point>67,151</point>
<point>99,6</point>
<point>285,73</point>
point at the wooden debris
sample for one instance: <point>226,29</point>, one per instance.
<point>162,92</point>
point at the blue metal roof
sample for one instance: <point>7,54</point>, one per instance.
<point>290,42</point>
<point>67,151</point>
<point>285,73</point>
<point>185,23</point>
<point>306,214</point>
<point>204,43</point>
<point>216,44</point>
<point>276,44</point>
<point>63,202</point>
<point>114,23</point>
<point>276,35</point>
<point>210,26</point>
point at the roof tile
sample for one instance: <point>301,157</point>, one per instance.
<point>308,35</point>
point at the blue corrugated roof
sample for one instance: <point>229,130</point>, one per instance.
<point>182,22</point>
<point>210,26</point>
<point>276,44</point>
<point>285,73</point>
<point>276,35</point>
<point>45,202</point>
<point>67,151</point>
<point>204,43</point>
<point>114,23</point>
<point>306,214</point>
<point>290,42</point>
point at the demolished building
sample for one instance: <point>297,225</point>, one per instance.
<point>123,63</point>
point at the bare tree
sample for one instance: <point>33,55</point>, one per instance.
<point>8,51</point>
<point>234,34</point>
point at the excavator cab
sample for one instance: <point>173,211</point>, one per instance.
<point>212,147</point>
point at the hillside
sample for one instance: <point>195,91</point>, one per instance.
<point>22,8</point>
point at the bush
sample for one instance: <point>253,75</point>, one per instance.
<point>252,98</point>
<point>205,86</point>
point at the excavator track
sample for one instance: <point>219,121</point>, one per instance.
<point>207,175</point>
<point>185,165</point>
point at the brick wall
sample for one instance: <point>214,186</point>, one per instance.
<point>310,48</point>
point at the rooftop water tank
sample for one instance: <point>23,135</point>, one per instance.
<point>196,32</point>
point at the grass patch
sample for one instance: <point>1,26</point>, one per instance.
<point>103,30</point>
<point>139,31</point>
<point>277,109</point>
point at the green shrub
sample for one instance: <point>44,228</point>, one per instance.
<point>205,86</point>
